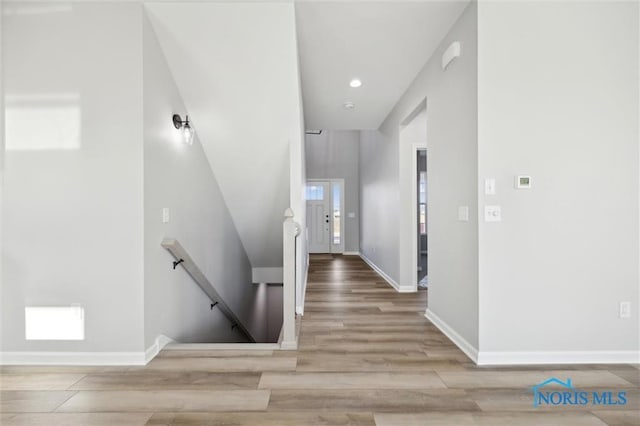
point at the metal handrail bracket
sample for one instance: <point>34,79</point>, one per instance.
<point>182,258</point>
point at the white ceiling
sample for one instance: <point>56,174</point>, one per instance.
<point>384,44</point>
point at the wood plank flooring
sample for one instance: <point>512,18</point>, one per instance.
<point>367,356</point>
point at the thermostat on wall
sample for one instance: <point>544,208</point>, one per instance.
<point>523,182</point>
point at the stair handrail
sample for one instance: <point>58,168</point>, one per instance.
<point>182,258</point>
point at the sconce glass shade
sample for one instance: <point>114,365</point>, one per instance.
<point>187,133</point>
<point>184,127</point>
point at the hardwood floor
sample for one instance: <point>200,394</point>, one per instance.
<point>367,356</point>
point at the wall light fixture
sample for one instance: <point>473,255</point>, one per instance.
<point>185,127</point>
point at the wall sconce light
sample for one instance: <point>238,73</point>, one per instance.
<point>185,127</point>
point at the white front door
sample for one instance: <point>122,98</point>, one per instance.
<point>318,216</point>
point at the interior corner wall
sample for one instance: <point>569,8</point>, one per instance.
<point>379,201</point>
<point>179,177</point>
<point>558,100</point>
<point>73,186</point>
<point>334,154</point>
<point>386,184</point>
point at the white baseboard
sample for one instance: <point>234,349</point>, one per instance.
<point>85,358</point>
<point>222,346</point>
<point>380,272</point>
<point>351,253</point>
<point>457,339</point>
<point>300,310</point>
<point>533,357</point>
<point>558,357</point>
<point>73,358</point>
<point>156,347</point>
<point>289,346</point>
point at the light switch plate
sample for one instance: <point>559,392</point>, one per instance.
<point>490,186</point>
<point>625,310</point>
<point>463,213</point>
<point>351,215</point>
<point>492,214</point>
<point>165,215</point>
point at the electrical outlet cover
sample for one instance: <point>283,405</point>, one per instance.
<point>492,214</point>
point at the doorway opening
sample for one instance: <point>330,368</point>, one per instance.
<point>421,225</point>
<point>325,215</point>
<point>414,199</point>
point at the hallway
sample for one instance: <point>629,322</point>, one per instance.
<point>366,356</point>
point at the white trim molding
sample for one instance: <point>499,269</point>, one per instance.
<point>453,335</point>
<point>351,253</point>
<point>73,358</point>
<point>558,357</point>
<point>85,358</point>
<point>532,357</point>
<point>380,272</point>
<point>387,278</point>
<point>156,347</point>
<point>289,346</point>
<point>222,346</point>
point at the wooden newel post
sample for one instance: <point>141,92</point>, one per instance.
<point>290,230</point>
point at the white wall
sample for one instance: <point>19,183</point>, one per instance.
<point>80,213</point>
<point>274,312</point>
<point>73,189</point>
<point>237,70</point>
<point>379,199</point>
<point>335,154</point>
<point>387,172</point>
<point>558,99</point>
<point>179,177</point>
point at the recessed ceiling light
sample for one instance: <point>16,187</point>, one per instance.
<point>349,105</point>
<point>355,83</point>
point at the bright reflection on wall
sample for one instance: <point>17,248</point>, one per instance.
<point>54,322</point>
<point>42,122</point>
<point>260,308</point>
<point>12,8</point>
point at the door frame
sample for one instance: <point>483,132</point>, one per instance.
<point>415,147</point>
<point>315,222</point>
<point>335,248</point>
